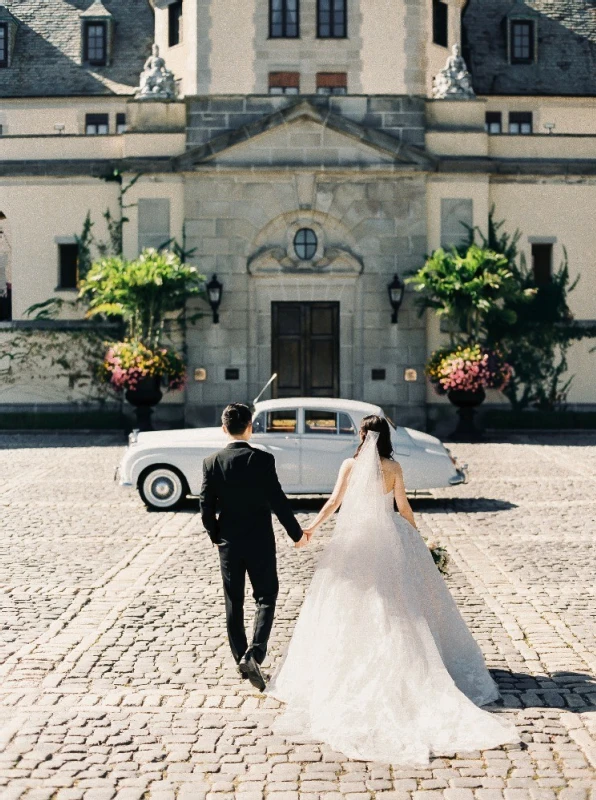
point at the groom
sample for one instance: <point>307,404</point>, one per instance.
<point>243,483</point>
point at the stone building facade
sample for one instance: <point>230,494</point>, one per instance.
<point>304,170</point>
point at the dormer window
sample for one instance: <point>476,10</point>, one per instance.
<point>522,41</point>
<point>97,32</point>
<point>3,44</point>
<point>96,43</point>
<point>8,32</point>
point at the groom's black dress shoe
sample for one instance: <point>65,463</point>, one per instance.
<point>249,668</point>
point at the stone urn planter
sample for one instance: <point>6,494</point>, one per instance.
<point>144,397</point>
<point>466,403</point>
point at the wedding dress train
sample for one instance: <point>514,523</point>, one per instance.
<point>381,665</point>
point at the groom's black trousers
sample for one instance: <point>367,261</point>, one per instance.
<point>259,564</point>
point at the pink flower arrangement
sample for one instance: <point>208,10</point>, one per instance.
<point>468,369</point>
<point>129,362</point>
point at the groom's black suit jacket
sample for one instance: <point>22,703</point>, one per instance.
<point>242,482</point>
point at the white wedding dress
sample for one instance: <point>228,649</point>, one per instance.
<point>381,665</point>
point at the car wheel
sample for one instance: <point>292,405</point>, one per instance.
<point>162,487</point>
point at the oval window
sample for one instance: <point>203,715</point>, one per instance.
<point>305,243</point>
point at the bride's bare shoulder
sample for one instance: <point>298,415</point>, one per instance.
<point>391,466</point>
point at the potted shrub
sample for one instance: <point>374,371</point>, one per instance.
<point>144,293</point>
<point>141,373</point>
<point>464,374</point>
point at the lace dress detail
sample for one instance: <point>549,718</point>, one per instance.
<point>381,665</point>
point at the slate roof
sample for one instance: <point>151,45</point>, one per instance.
<point>566,62</point>
<point>47,55</point>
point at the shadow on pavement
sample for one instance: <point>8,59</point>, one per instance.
<point>573,691</point>
<point>314,503</point>
<point>469,505</point>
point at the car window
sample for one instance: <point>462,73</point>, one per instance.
<point>391,422</point>
<point>275,422</point>
<point>320,422</point>
<point>259,423</point>
<point>346,425</point>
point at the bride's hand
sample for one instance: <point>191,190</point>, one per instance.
<point>302,542</point>
<point>309,533</point>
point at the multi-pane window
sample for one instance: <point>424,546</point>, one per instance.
<point>68,266</point>
<point>332,20</point>
<point>120,123</point>
<point>520,122</point>
<point>175,18</point>
<point>305,243</point>
<point>284,83</point>
<point>96,43</point>
<point>493,122</point>
<point>284,19</point>
<point>332,83</point>
<point>440,23</point>
<point>521,33</point>
<point>542,263</point>
<point>3,44</point>
<point>97,124</point>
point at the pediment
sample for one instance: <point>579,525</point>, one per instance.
<point>302,135</point>
<point>302,142</point>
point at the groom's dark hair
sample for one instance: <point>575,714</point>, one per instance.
<point>236,418</point>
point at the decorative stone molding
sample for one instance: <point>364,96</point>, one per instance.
<point>402,155</point>
<point>454,82</point>
<point>274,261</point>
<point>157,82</point>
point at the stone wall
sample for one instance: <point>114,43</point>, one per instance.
<point>379,220</point>
<point>399,116</point>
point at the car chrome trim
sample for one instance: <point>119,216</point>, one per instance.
<point>461,477</point>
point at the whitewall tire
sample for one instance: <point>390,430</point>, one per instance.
<point>162,487</point>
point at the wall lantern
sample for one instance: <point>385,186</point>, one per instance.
<point>396,291</point>
<point>214,293</point>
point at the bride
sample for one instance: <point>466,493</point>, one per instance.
<point>381,665</point>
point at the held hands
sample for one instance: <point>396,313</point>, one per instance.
<point>306,537</point>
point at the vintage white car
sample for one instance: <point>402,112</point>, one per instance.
<point>309,437</point>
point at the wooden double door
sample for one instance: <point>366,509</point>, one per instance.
<point>305,349</point>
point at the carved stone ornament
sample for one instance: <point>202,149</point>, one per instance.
<point>276,260</point>
<point>454,82</point>
<point>157,82</point>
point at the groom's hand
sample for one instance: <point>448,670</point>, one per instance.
<point>302,542</point>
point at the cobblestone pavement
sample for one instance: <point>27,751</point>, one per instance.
<point>115,675</point>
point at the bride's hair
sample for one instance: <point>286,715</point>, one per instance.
<point>381,426</point>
